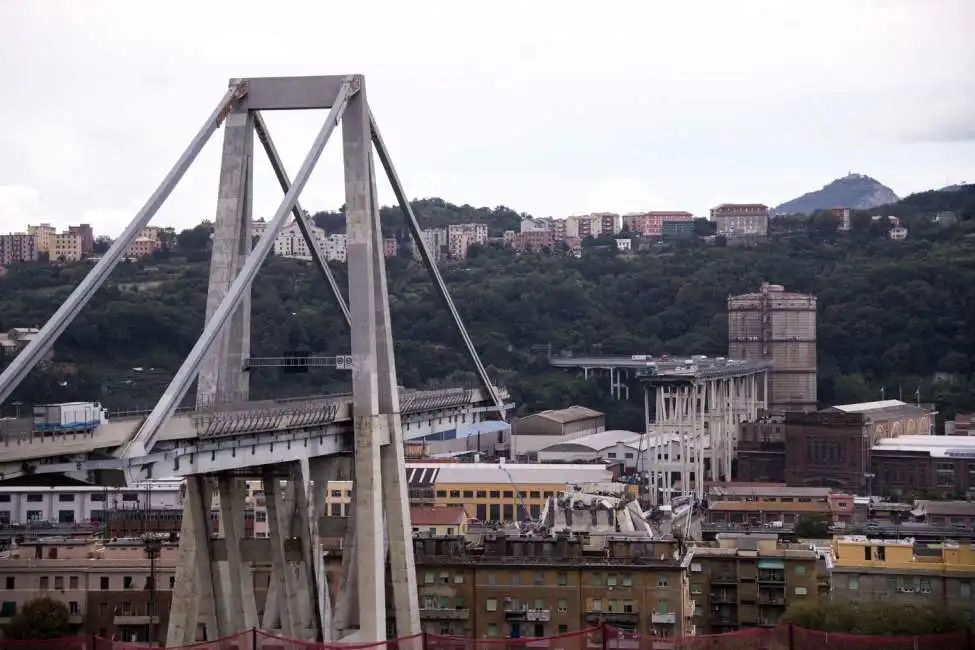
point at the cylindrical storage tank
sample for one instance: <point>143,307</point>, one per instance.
<point>779,326</point>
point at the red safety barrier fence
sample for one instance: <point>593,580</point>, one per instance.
<point>783,637</point>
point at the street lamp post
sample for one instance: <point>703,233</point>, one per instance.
<point>153,548</point>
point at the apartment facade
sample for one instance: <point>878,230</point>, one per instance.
<point>651,224</point>
<point>736,220</point>
<point>67,247</point>
<point>87,235</point>
<point>906,572</point>
<point>43,235</point>
<point>18,247</point>
<point>749,580</point>
<point>524,587</point>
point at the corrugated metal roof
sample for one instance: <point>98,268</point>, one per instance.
<point>600,441</point>
<point>756,506</point>
<point>570,414</point>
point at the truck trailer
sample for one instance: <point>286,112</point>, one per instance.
<point>69,416</point>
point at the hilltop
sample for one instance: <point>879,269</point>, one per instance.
<point>855,191</point>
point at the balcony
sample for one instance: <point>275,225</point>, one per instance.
<point>729,597</point>
<point>771,598</point>
<point>724,578</point>
<point>525,615</point>
<point>444,614</point>
<point>131,619</point>
<point>663,618</point>
<point>613,618</point>
<point>773,576</point>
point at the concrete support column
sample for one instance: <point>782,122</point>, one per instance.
<point>369,425</point>
<point>240,604</point>
<point>284,587</point>
<point>193,593</point>
<point>222,378</point>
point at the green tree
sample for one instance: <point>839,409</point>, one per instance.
<point>41,618</point>
<point>812,527</point>
<point>880,617</point>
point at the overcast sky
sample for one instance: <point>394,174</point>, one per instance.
<point>548,107</point>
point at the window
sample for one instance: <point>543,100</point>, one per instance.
<point>596,605</point>
<point>695,589</point>
<point>130,497</point>
<point>562,579</point>
<point>260,516</point>
<point>801,591</point>
<point>35,498</point>
<point>563,629</point>
<point>492,629</point>
<point>800,569</point>
<point>492,578</point>
<point>597,580</point>
<point>535,494</point>
<point>74,608</point>
<point>468,494</point>
<point>563,605</point>
<point>455,494</point>
<point>482,494</point>
<point>539,603</point>
<point>509,494</point>
<point>11,582</point>
<point>428,578</point>
<point>628,607</point>
<point>4,498</point>
<point>495,494</point>
<point>964,589</point>
<point>66,498</point>
<point>663,606</point>
<point>97,497</point>
<point>172,582</point>
<point>59,582</point>
<point>538,578</point>
<point>103,582</point>
<point>445,577</point>
<point>458,578</point>
<point>442,494</point>
<point>925,586</point>
<point>516,578</point>
<point>492,604</point>
<point>611,580</point>
<point>662,580</point>
<point>627,579</point>
<point>44,582</point>
<point>853,583</point>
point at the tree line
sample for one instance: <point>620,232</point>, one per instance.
<point>894,317</point>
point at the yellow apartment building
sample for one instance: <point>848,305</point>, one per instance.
<point>905,571</point>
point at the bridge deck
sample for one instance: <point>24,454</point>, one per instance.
<point>271,416</point>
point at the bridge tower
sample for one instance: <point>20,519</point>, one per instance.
<point>214,588</point>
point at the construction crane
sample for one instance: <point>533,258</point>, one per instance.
<point>519,499</point>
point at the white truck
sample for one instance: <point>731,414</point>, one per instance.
<point>69,416</point>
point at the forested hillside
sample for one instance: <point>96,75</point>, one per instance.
<point>898,315</point>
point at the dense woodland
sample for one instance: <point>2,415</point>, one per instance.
<point>892,315</point>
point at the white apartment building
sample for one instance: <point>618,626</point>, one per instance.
<point>461,236</point>
<point>436,242</point>
<point>291,243</point>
